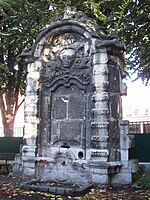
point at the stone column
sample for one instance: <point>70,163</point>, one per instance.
<point>31,120</point>
<point>100,97</point>
<point>125,175</point>
<point>99,126</point>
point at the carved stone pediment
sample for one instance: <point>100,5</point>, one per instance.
<point>66,57</point>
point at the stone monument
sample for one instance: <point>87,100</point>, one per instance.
<point>73,127</point>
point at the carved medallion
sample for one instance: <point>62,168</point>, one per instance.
<point>67,57</point>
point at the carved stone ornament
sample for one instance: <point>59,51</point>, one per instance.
<point>73,107</point>
<point>66,57</point>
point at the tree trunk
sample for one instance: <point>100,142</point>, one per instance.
<point>9,129</point>
<point>9,126</point>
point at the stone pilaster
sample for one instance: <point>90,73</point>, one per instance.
<point>125,175</point>
<point>31,120</point>
<point>100,97</point>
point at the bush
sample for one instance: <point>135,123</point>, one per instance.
<point>140,173</point>
<point>144,182</point>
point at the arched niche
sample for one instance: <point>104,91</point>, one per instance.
<point>65,87</point>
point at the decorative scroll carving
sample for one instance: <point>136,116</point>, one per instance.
<point>66,58</point>
<point>66,46</point>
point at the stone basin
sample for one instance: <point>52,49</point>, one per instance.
<point>56,188</point>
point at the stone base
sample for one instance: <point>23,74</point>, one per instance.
<point>57,189</point>
<point>134,165</point>
<point>17,165</point>
<point>102,172</point>
<point>100,180</point>
<point>123,177</point>
<point>28,169</point>
<point>99,174</point>
<point>62,169</point>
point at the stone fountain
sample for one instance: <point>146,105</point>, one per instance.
<point>74,132</point>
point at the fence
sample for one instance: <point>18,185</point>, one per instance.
<point>139,127</point>
<point>18,131</point>
<point>140,147</point>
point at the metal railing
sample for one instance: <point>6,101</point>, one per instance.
<point>18,131</point>
<point>139,127</point>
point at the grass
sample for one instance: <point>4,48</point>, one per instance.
<point>143,178</point>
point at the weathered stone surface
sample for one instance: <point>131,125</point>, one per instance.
<point>122,178</point>
<point>124,155</point>
<point>114,79</point>
<point>134,165</point>
<point>100,179</point>
<point>29,171</point>
<point>100,58</point>
<point>73,107</point>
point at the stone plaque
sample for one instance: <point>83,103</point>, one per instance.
<point>99,153</point>
<point>70,132</point>
<point>59,108</point>
<point>67,116</point>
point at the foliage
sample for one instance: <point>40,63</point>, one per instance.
<point>144,182</point>
<point>141,170</point>
<point>129,19</point>
<point>22,20</point>
<point>140,173</point>
<point>143,178</point>
<point>135,29</point>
